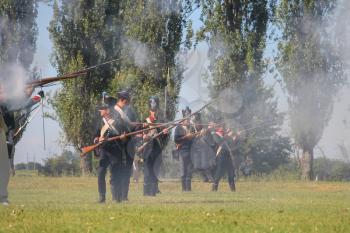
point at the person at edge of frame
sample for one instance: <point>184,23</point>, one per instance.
<point>4,161</point>
<point>5,102</point>
<point>224,162</point>
<point>183,137</point>
<point>13,124</point>
<point>152,154</point>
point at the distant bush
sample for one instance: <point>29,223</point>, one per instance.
<point>28,166</point>
<point>331,169</point>
<point>66,164</point>
<point>325,169</point>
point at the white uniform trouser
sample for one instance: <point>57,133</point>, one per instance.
<point>4,167</point>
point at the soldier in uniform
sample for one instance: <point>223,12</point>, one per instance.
<point>104,161</point>
<point>110,153</point>
<point>124,114</point>
<point>152,154</point>
<point>202,153</point>
<point>224,162</point>
<point>7,123</point>
<point>183,138</point>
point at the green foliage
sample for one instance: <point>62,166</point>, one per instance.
<point>236,33</point>
<point>269,155</point>
<point>84,33</point>
<point>311,70</point>
<point>66,164</point>
<point>331,169</point>
<point>87,33</point>
<point>18,31</point>
<point>28,166</point>
<point>152,31</point>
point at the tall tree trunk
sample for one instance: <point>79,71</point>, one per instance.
<point>307,164</point>
<point>86,165</point>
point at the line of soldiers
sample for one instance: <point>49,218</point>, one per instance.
<point>118,119</point>
<point>207,151</point>
<point>204,150</point>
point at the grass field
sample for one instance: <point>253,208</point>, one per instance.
<point>40,204</point>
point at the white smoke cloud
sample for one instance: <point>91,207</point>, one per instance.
<point>338,130</point>
<point>137,51</point>
<point>13,82</point>
<point>194,92</point>
<point>340,31</point>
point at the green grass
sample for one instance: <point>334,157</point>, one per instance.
<point>40,204</point>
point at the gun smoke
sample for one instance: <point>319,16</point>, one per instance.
<point>13,80</point>
<point>338,130</point>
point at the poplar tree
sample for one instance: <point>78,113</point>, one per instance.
<point>311,70</point>
<point>84,33</point>
<point>236,32</point>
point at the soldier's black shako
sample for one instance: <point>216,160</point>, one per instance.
<point>183,139</point>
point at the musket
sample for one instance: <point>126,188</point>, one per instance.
<point>88,149</point>
<point>140,148</point>
<point>27,121</point>
<point>45,81</point>
<point>155,124</point>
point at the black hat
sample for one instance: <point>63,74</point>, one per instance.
<point>153,103</point>
<point>107,102</point>
<point>102,106</point>
<point>186,112</point>
<point>197,116</point>
<point>123,95</point>
<point>110,101</point>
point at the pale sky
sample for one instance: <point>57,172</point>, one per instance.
<point>31,145</point>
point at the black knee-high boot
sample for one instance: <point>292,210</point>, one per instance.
<point>188,185</point>
<point>183,183</point>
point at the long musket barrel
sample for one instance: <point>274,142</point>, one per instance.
<point>88,149</point>
<point>172,126</point>
<point>45,81</point>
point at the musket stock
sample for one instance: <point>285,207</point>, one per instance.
<point>88,149</point>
